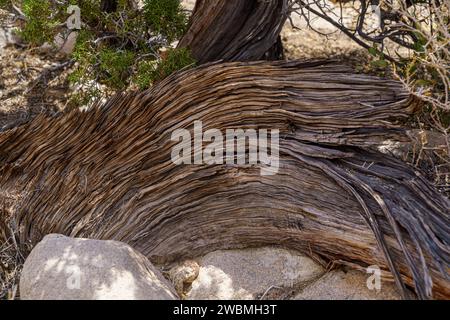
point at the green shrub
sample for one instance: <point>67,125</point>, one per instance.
<point>149,72</point>
<point>165,17</point>
<point>117,49</point>
<point>116,66</point>
<point>40,24</point>
<point>144,76</point>
<point>4,3</point>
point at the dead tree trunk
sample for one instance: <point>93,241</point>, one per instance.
<point>107,173</point>
<point>108,6</point>
<point>236,30</point>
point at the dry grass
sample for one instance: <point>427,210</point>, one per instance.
<point>11,263</point>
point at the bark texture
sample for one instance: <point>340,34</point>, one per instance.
<point>107,173</point>
<point>235,30</point>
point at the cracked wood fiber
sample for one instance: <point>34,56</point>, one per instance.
<point>235,30</point>
<point>107,173</point>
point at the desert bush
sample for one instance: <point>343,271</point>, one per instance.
<point>413,37</point>
<point>410,39</point>
<point>114,50</point>
<point>4,4</point>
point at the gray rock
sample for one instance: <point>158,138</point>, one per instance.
<point>351,285</point>
<point>66,43</point>
<point>7,37</point>
<point>188,4</point>
<point>249,273</point>
<point>63,268</point>
<point>182,276</point>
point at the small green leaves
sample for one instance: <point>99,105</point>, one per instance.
<point>380,63</point>
<point>115,66</point>
<point>114,50</point>
<point>176,59</point>
<point>40,24</point>
<point>165,17</point>
<point>373,51</point>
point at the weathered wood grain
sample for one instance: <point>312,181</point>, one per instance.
<point>235,30</point>
<point>107,173</point>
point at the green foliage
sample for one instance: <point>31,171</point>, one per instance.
<point>115,50</point>
<point>149,71</point>
<point>116,67</point>
<point>378,63</point>
<point>4,3</point>
<point>144,76</point>
<point>176,59</point>
<point>85,97</point>
<point>165,17</point>
<point>85,56</point>
<point>90,11</point>
<point>40,24</point>
<point>423,69</point>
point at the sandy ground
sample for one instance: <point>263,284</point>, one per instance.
<point>31,81</point>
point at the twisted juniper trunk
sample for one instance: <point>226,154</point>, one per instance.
<point>108,6</point>
<point>236,30</point>
<point>107,173</point>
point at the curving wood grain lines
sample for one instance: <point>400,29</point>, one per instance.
<point>107,173</point>
<point>236,30</point>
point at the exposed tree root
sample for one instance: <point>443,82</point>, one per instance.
<point>107,173</point>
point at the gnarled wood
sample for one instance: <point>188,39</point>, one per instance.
<point>107,173</point>
<point>235,30</point>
